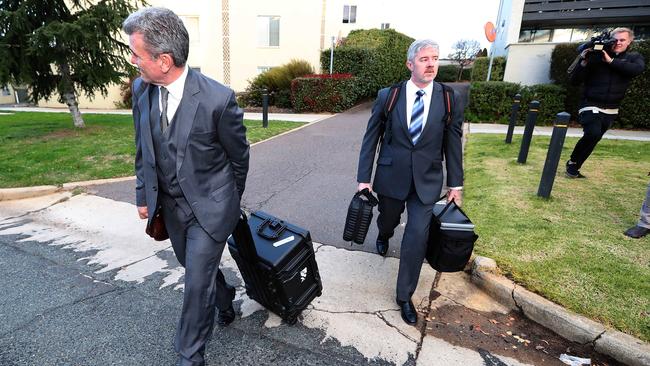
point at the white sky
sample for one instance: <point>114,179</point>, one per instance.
<point>444,21</point>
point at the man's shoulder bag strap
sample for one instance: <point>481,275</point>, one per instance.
<point>393,96</point>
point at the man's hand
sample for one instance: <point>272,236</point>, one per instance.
<point>606,57</point>
<point>363,186</point>
<point>143,212</point>
<point>456,195</point>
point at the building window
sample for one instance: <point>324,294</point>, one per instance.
<point>349,13</point>
<point>385,25</point>
<point>5,90</point>
<point>268,31</point>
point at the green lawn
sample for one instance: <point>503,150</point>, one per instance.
<point>44,148</point>
<point>569,248</point>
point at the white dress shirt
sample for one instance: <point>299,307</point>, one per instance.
<point>175,90</point>
<point>411,94</point>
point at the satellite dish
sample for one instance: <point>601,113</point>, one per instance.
<point>490,31</point>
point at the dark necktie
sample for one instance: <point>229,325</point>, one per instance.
<point>417,117</point>
<point>164,95</point>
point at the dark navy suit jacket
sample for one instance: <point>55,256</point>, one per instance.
<point>400,162</point>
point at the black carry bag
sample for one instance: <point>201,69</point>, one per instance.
<point>277,262</point>
<point>451,238</point>
<point>359,216</point>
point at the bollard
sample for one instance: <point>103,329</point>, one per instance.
<point>513,117</point>
<point>531,118</point>
<point>553,155</point>
<point>265,108</point>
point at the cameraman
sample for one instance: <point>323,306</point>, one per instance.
<point>606,74</point>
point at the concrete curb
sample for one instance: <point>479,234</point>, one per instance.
<point>7,194</point>
<point>620,346</point>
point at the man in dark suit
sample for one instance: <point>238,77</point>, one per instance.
<point>191,165</point>
<point>409,167</point>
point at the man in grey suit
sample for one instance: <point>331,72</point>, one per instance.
<point>191,165</point>
<point>409,167</point>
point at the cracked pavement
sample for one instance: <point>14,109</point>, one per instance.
<point>59,252</point>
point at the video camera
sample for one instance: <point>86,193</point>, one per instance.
<point>603,41</point>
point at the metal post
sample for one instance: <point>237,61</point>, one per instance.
<point>553,155</point>
<point>513,117</point>
<point>332,55</point>
<point>531,118</point>
<point>265,108</point>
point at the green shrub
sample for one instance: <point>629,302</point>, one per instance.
<point>551,98</point>
<point>480,69</point>
<point>561,57</point>
<point>490,101</point>
<point>449,74</point>
<point>634,109</point>
<point>278,83</point>
<point>324,93</point>
<point>375,57</point>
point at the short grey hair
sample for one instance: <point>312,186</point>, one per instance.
<point>163,32</point>
<point>418,45</point>
<point>623,29</point>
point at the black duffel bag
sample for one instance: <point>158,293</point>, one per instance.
<point>359,216</point>
<point>451,239</point>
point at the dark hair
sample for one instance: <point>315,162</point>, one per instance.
<point>163,32</point>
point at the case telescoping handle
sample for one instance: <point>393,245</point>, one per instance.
<point>276,226</point>
<point>369,196</point>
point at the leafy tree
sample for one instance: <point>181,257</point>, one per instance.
<point>464,52</point>
<point>63,47</point>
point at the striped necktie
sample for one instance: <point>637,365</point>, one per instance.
<point>164,121</point>
<point>417,117</point>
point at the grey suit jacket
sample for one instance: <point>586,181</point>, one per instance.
<point>212,152</point>
<point>400,162</point>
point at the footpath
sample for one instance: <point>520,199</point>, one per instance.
<point>84,286</point>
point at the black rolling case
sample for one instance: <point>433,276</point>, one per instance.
<point>277,262</point>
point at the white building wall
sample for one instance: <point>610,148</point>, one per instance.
<point>304,29</point>
<point>508,26</point>
<point>529,63</point>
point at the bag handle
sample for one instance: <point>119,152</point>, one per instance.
<point>276,226</point>
<point>368,195</point>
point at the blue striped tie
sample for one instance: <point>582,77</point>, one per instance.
<point>417,117</point>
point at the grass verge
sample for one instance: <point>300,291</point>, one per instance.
<point>44,148</point>
<point>569,248</point>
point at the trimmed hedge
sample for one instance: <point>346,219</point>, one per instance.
<point>278,83</point>
<point>375,57</point>
<point>449,74</point>
<point>324,93</point>
<point>491,101</point>
<point>480,69</point>
<point>634,109</point>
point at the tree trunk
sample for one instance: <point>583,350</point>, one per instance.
<point>460,73</point>
<point>69,96</point>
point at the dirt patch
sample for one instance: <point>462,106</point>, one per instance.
<point>70,132</point>
<point>510,335</point>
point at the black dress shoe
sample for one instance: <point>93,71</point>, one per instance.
<point>636,232</point>
<point>382,246</point>
<point>227,316</point>
<point>409,314</point>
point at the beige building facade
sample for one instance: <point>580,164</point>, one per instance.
<point>233,41</point>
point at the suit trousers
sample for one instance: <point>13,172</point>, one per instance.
<point>594,126</point>
<point>414,241</point>
<point>205,285</point>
